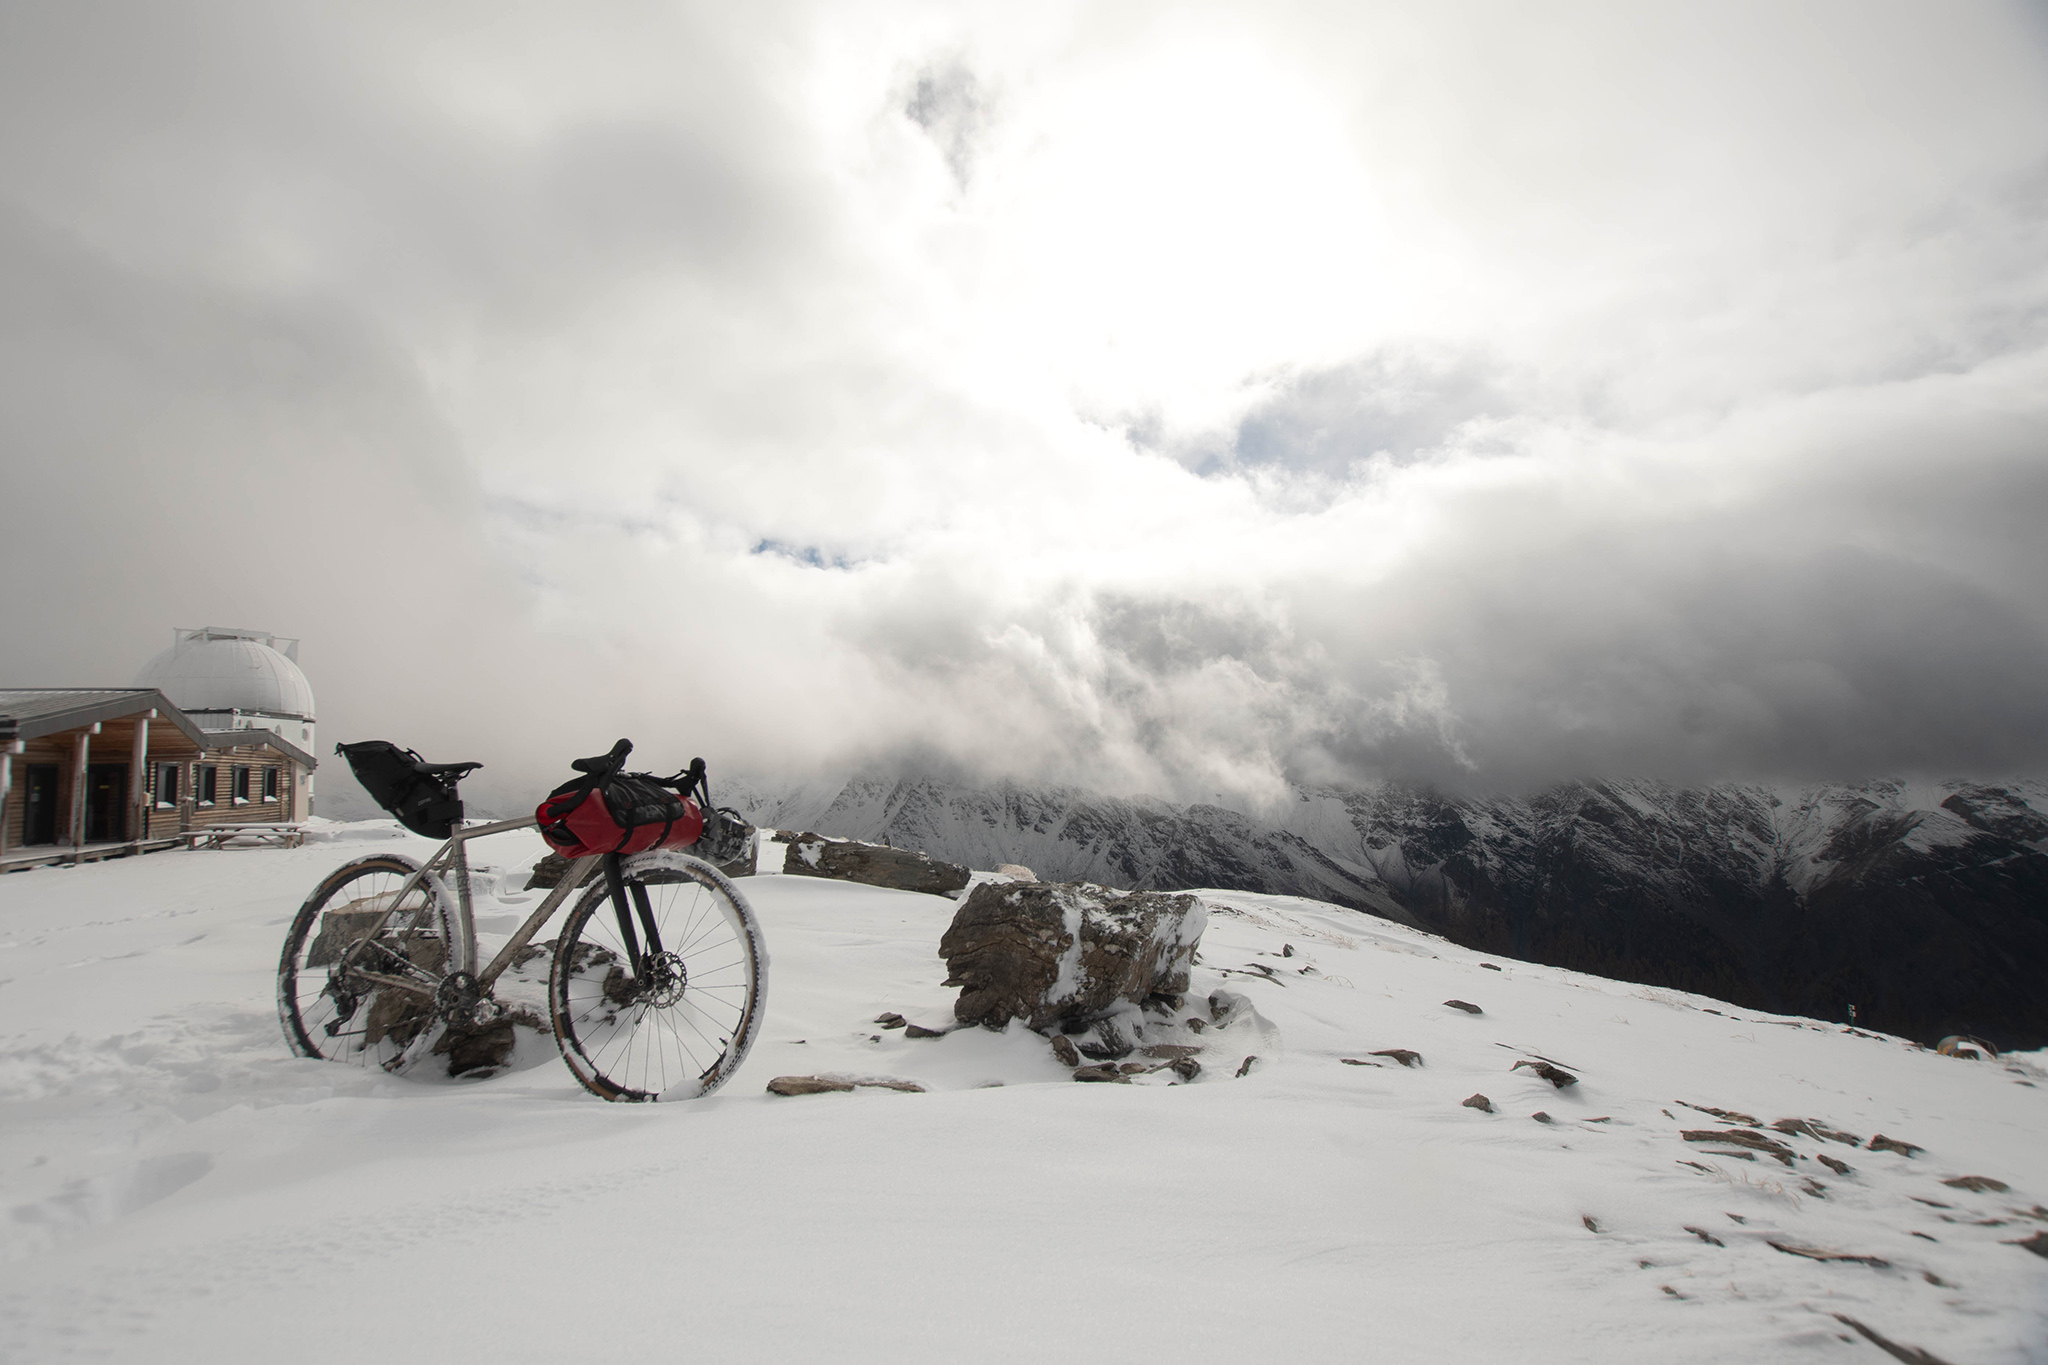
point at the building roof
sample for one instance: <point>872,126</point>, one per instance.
<point>216,668</point>
<point>32,712</point>
<point>270,739</point>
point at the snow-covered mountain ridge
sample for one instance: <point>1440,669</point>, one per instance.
<point>1922,904</point>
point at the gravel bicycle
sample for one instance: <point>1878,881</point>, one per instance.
<point>656,988</point>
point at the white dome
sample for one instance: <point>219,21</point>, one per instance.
<point>223,670</point>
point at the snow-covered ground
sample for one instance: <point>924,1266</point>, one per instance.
<point>181,1188</point>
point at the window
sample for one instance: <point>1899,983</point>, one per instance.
<point>240,778</point>
<point>167,784</point>
<point>208,784</point>
<point>270,784</point>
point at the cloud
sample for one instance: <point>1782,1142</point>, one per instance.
<point>1240,399</point>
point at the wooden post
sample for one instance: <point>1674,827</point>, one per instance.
<point>79,750</point>
<point>7,753</point>
<point>138,780</point>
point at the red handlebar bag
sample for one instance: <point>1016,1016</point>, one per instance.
<point>578,820</point>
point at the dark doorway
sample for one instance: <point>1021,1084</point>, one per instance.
<point>39,822</point>
<point>106,801</point>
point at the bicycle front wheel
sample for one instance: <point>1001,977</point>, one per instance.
<point>328,1009</point>
<point>667,1015</point>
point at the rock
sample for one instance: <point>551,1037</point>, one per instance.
<point>1479,1102</point>
<point>1049,953</point>
<point>1196,1025</point>
<point>470,1048</point>
<point>1287,950</point>
<point>1555,1075</point>
<point>1705,1236</point>
<point>1063,1048</point>
<point>1187,1068</point>
<point>1245,1068</point>
<point>548,872</point>
<point>1017,871</point>
<point>847,860</point>
<point>1742,1137</point>
<point>1964,1046</point>
<point>1171,1052</point>
<point>1489,966</point>
<point>1816,1254</point>
<point>1136,1068</point>
<point>826,1085</point>
<point>1106,1040</point>
<point>1812,1128</point>
<point>1881,1143</point>
<point>1542,1117</point>
<point>1912,1355</point>
<point>920,1031</point>
<point>1401,1055</point>
<point>2038,1244</point>
<point>1977,1184</point>
<point>1465,1005</point>
<point>890,1020</point>
<point>1356,1061</point>
<point>1103,1071</point>
<point>1592,1224</point>
<point>1838,1167</point>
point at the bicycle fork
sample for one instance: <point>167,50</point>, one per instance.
<point>636,958</point>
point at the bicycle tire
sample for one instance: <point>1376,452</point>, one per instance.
<point>683,1030</point>
<point>327,1015</point>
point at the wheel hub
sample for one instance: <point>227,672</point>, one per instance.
<point>665,980</point>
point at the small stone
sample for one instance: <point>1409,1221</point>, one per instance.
<point>1838,1167</point>
<point>1064,1049</point>
<point>1592,1224</point>
<point>806,1085</point>
<point>1555,1075</point>
<point>1479,1102</point>
<point>1187,1068</point>
<point>919,1031</point>
<point>1705,1236</point>
<point>1287,950</point>
<point>1489,966</point>
<point>1101,1071</point>
<point>1196,1025</point>
<point>890,1020</point>
<point>1465,1005</point>
<point>2038,1244</point>
<point>1542,1117</point>
<point>1137,1068</point>
<point>1401,1055</point>
<point>1977,1184</point>
<point>1356,1061</point>
<point>1246,1067</point>
<point>1881,1143</point>
<point>1171,1052</point>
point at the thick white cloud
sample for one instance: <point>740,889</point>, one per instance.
<point>1166,398</point>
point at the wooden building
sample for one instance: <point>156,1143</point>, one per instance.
<point>98,772</point>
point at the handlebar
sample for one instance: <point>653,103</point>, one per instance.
<point>604,765</point>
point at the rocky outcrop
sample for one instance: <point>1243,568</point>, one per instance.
<point>1053,954</point>
<point>848,860</point>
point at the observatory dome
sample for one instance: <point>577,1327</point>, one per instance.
<point>216,671</point>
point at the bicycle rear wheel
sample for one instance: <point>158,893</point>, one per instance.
<point>326,1006</point>
<point>681,1025</point>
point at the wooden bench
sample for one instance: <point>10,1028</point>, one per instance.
<point>218,836</point>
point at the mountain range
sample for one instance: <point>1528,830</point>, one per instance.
<point>1921,905</point>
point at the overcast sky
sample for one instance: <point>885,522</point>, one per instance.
<point>1165,398</point>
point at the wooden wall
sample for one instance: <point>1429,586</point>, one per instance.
<point>167,744</point>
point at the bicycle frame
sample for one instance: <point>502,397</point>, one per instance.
<point>451,856</point>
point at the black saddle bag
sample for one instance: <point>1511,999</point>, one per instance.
<point>424,802</point>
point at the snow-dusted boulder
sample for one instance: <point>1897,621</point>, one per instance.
<point>1052,953</point>
<point>848,860</point>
